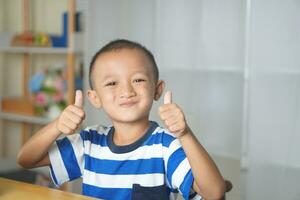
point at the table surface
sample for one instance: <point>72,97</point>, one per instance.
<point>10,190</point>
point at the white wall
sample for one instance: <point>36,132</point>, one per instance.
<point>274,105</point>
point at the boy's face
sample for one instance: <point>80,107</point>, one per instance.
<point>124,85</point>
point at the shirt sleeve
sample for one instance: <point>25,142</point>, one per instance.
<point>66,159</point>
<point>178,170</point>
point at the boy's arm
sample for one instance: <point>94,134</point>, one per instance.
<point>208,182</point>
<point>34,153</point>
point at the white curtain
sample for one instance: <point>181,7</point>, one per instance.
<point>233,67</point>
<point>272,146</point>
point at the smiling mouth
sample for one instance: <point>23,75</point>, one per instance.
<point>128,104</point>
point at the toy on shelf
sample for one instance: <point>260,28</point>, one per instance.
<point>62,40</point>
<point>29,39</point>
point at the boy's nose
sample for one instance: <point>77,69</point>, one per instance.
<point>127,91</point>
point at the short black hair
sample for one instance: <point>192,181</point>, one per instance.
<point>119,44</point>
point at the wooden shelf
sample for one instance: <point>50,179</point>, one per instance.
<point>34,50</point>
<point>20,110</point>
<point>24,118</point>
<point>5,47</point>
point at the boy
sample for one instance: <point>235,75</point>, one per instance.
<point>134,158</point>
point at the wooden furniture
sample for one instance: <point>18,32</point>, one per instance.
<point>20,109</point>
<point>10,189</point>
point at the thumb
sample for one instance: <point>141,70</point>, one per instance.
<point>168,97</point>
<point>78,99</point>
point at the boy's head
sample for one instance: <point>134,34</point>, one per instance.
<point>117,45</point>
<point>124,81</point>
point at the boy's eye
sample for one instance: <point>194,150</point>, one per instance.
<point>139,80</point>
<point>112,83</point>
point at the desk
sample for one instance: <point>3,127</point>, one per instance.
<point>11,190</point>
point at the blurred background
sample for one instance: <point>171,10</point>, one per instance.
<point>233,67</point>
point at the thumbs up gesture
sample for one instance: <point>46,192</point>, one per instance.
<point>172,116</point>
<point>72,116</point>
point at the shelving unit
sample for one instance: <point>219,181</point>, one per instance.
<point>27,57</point>
<point>24,118</point>
<point>72,50</point>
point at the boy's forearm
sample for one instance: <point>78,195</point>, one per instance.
<point>35,151</point>
<point>208,181</point>
<point>36,148</point>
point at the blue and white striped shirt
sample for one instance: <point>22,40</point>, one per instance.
<point>154,164</point>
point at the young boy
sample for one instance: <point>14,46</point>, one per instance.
<point>134,158</point>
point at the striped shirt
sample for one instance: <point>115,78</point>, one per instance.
<point>154,165</point>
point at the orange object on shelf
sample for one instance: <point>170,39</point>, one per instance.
<point>29,39</point>
<point>17,106</point>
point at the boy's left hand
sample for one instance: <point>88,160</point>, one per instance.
<point>172,116</point>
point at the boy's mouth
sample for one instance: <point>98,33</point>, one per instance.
<point>128,104</point>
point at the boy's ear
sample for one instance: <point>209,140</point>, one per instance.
<point>94,99</point>
<point>160,86</point>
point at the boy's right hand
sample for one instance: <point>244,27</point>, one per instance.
<point>72,116</point>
